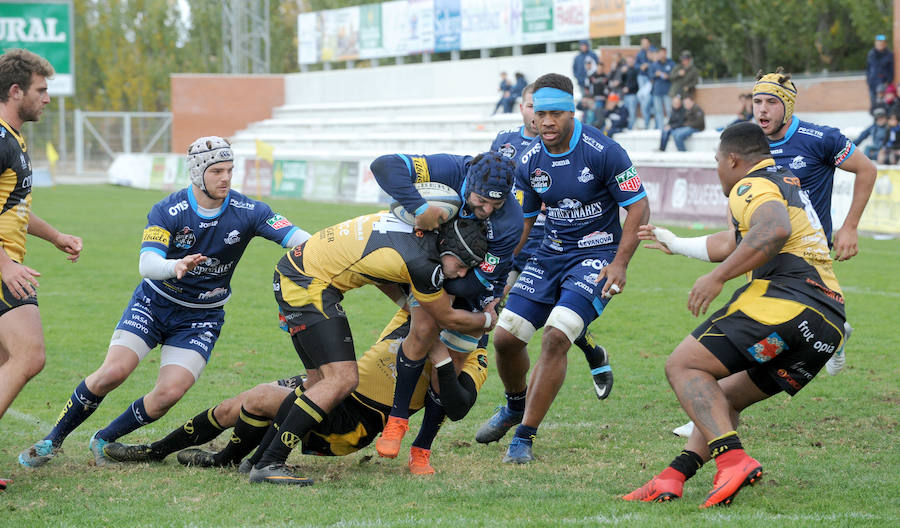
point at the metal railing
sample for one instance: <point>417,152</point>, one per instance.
<point>114,133</point>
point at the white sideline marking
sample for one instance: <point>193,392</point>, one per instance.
<point>25,417</point>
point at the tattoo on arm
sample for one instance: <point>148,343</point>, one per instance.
<point>770,227</point>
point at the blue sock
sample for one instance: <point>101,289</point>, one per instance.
<point>523,431</point>
<point>133,418</point>
<point>81,404</point>
<point>431,422</point>
<point>408,374</point>
<point>515,401</point>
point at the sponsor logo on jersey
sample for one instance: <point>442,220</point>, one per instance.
<point>23,161</point>
<point>207,336</point>
<point>185,238</point>
<point>421,168</point>
<point>242,205</point>
<point>597,264</point>
<point>776,151</point>
<point>278,222</point>
<point>629,180</point>
<point>592,142</point>
<point>787,377</point>
<point>482,361</point>
<point>520,197</point>
<point>810,132</point>
<point>437,276</point>
<point>213,293</point>
<point>2,132</point>
<point>842,155</point>
<point>179,207</point>
<point>797,163</point>
<point>560,163</point>
<point>553,241</point>
<point>743,189</point>
<point>204,225</point>
<point>585,175</point>
<point>597,238</point>
<point>582,212</point>
<point>156,234</point>
<point>490,263</point>
<point>233,238</point>
<point>540,180</point>
<point>507,150</point>
<point>212,266</point>
<point>534,150</point>
<point>767,348</point>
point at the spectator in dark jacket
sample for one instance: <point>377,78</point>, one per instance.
<point>659,72</point>
<point>676,120</point>
<point>890,152</point>
<point>630,89</point>
<point>879,133</point>
<point>879,67</point>
<point>505,89</point>
<point>598,81</point>
<point>578,67</point>
<point>694,121</point>
<point>514,93</point>
<point>616,115</point>
<point>684,77</point>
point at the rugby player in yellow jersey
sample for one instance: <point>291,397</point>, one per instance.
<point>309,284</point>
<point>349,427</point>
<point>23,96</point>
<point>774,335</point>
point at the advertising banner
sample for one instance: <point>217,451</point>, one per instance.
<point>882,214</point>
<point>607,18</point>
<point>289,179</point>
<point>45,28</point>
<point>571,19</point>
<point>370,43</point>
<point>537,20</point>
<point>309,33</point>
<point>685,195</point>
<point>447,25</point>
<point>644,16</point>
<point>395,28</point>
<point>340,34</point>
<point>421,26</point>
<point>484,24</point>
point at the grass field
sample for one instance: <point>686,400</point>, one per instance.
<point>829,454</point>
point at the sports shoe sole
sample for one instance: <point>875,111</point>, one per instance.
<point>491,432</point>
<point>277,474</point>
<point>750,480</point>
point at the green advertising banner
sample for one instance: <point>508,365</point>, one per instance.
<point>46,28</point>
<point>290,178</point>
<point>369,28</point>
<point>537,16</point>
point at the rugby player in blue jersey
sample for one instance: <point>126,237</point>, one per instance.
<point>191,245</point>
<point>583,177</point>
<point>484,183</point>
<point>511,143</point>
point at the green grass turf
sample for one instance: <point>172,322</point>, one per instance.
<point>829,454</point>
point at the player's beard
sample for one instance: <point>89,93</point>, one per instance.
<point>30,112</point>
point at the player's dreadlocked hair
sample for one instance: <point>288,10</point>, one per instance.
<point>554,80</point>
<point>746,139</point>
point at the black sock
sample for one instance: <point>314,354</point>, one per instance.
<point>725,443</point>
<point>270,433</point>
<point>408,374</point>
<point>592,352</point>
<point>431,422</point>
<point>515,401</point>
<point>196,431</point>
<point>687,463</point>
<point>303,416</point>
<point>247,433</point>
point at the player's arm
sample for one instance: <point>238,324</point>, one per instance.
<point>394,174</point>
<point>446,316</point>
<point>614,273</point>
<point>395,293</point>
<point>770,227</point>
<point>846,238</point>
<point>710,248</point>
<point>527,224</point>
<point>66,243</point>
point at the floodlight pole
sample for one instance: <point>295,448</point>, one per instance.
<point>245,36</point>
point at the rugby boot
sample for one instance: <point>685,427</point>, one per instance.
<point>684,431</point>
<point>195,456</point>
<point>96,446</point>
<point>519,451</point>
<point>419,461</point>
<point>132,452</point>
<point>245,467</point>
<point>496,427</point>
<point>736,469</point>
<point>603,376</point>
<point>838,360</point>
<point>388,444</point>
<point>38,454</point>
<point>278,474</point>
<point>665,487</point>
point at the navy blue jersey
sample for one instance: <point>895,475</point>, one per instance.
<point>582,188</point>
<point>812,152</point>
<point>511,142</point>
<point>175,229</point>
<point>396,174</point>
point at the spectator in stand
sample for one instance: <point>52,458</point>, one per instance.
<point>505,90</point>
<point>587,108</point>
<point>676,120</point>
<point>684,77</point>
<point>891,104</point>
<point>879,132</point>
<point>578,65</point>
<point>694,121</point>
<point>643,61</point>
<point>616,74</point>
<point>744,113</point>
<point>598,81</point>
<point>630,89</point>
<point>660,71</point>
<point>879,67</point>
<point>616,115</point>
<point>514,93</point>
<point>890,152</point>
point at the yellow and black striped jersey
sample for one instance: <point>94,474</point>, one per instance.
<point>378,368</point>
<point>15,191</point>
<point>803,266</point>
<point>370,249</point>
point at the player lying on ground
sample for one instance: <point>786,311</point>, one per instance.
<point>774,335</point>
<point>351,426</point>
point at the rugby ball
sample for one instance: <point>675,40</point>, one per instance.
<point>437,195</point>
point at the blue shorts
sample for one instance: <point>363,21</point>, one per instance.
<point>528,250</point>
<point>158,321</point>
<point>560,279</point>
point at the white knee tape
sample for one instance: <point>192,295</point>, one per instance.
<point>510,279</point>
<point>459,342</point>
<point>130,341</point>
<point>183,357</point>
<point>516,325</point>
<point>566,321</point>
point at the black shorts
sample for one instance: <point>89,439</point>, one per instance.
<point>785,355</point>
<point>351,426</point>
<point>8,301</point>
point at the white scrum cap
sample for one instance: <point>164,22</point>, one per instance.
<point>204,152</point>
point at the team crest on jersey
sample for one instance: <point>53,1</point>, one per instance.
<point>797,163</point>
<point>540,180</point>
<point>233,238</point>
<point>278,222</point>
<point>507,150</point>
<point>743,189</point>
<point>629,180</point>
<point>185,238</point>
<point>585,175</point>
<point>768,348</point>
